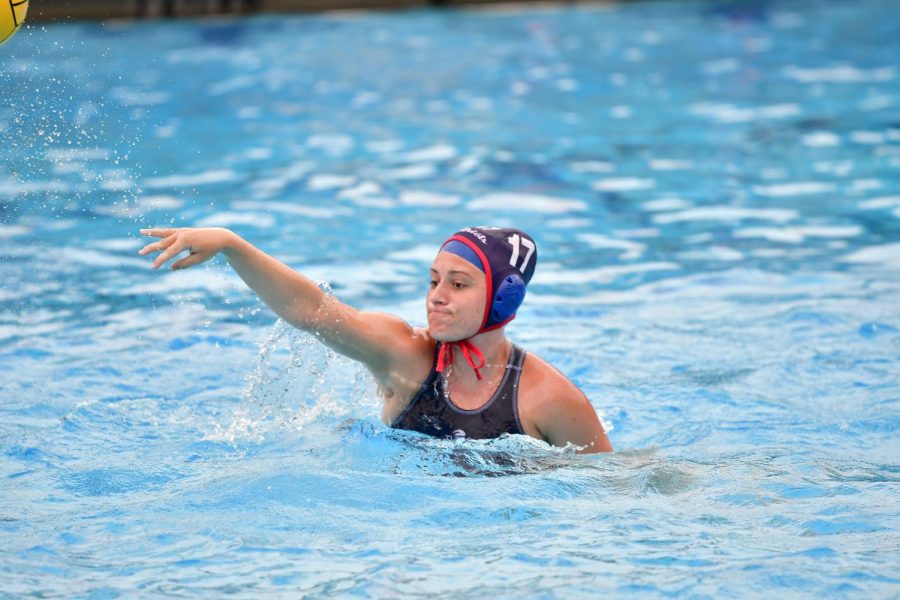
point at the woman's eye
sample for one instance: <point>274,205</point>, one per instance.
<point>459,285</point>
<point>433,283</point>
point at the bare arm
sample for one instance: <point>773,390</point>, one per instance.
<point>371,338</point>
<point>572,419</point>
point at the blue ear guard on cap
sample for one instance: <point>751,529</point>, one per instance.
<point>508,298</point>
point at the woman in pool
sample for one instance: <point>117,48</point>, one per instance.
<point>478,281</point>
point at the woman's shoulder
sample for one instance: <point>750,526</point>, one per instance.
<point>551,404</point>
<point>542,385</point>
<point>412,354</point>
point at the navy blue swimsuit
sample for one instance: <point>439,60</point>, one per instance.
<point>433,413</point>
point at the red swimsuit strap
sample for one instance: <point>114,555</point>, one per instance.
<point>445,356</point>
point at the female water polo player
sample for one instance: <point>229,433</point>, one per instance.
<point>460,376</point>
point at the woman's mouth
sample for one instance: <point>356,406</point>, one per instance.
<point>439,315</point>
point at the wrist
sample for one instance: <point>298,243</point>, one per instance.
<point>231,242</point>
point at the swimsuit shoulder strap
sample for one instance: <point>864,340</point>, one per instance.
<point>510,386</point>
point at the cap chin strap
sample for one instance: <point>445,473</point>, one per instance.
<point>445,356</point>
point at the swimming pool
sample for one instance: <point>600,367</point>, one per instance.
<point>715,192</point>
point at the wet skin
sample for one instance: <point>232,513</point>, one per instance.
<point>551,407</point>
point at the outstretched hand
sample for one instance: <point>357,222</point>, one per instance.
<point>201,245</point>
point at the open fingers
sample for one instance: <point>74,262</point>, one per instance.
<point>168,253</point>
<point>195,258</point>
<point>158,232</point>
<point>157,246</point>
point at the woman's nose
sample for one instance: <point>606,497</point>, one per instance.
<point>436,295</point>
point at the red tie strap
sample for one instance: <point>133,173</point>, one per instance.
<point>445,356</point>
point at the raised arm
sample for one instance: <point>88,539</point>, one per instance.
<point>371,338</point>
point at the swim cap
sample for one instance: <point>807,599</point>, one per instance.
<point>507,257</point>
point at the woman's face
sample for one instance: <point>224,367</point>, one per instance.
<point>455,301</point>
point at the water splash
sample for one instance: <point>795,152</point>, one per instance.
<point>296,381</point>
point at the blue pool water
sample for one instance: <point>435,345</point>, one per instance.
<point>715,192</point>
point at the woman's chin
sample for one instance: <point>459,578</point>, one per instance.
<point>445,330</point>
<point>438,335</point>
<point>442,335</point>
<point>439,332</point>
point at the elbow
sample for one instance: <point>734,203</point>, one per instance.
<point>311,316</point>
<point>299,321</point>
<point>306,323</point>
